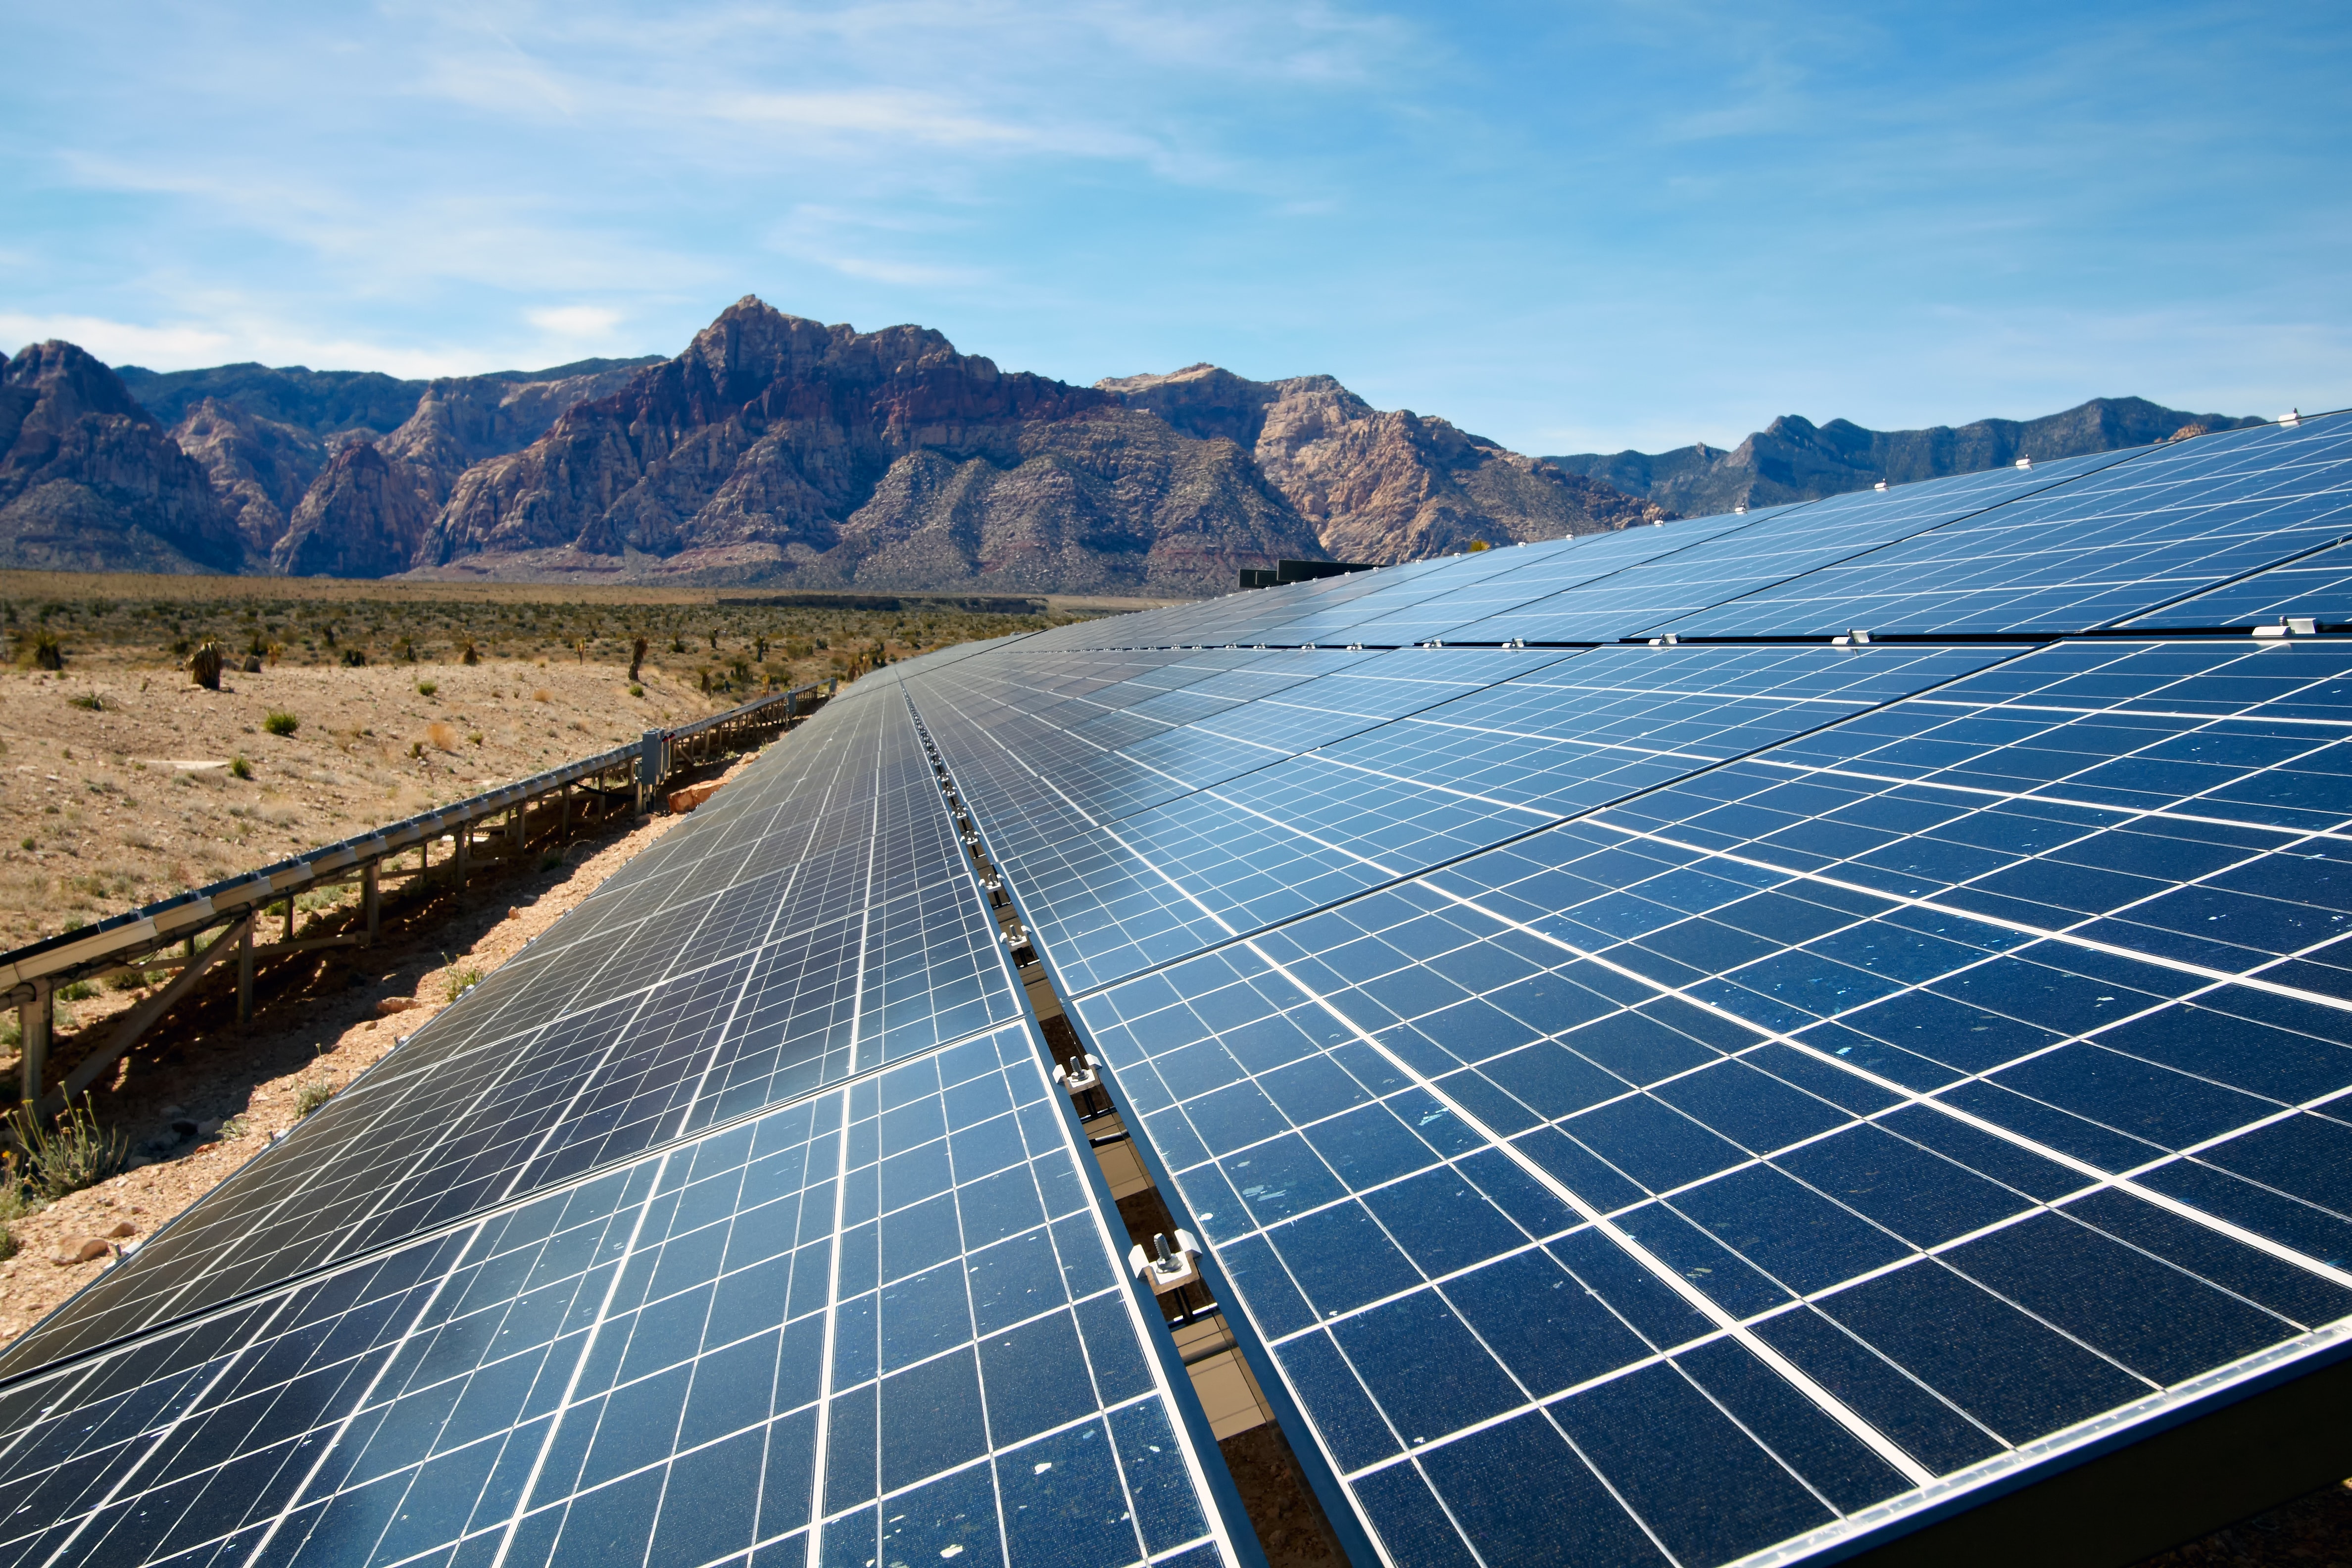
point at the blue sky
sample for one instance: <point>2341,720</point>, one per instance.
<point>1566,227</point>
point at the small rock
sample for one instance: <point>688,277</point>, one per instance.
<point>123,1230</point>
<point>513,913</point>
<point>87,1249</point>
<point>391,1005</point>
<point>207,1128</point>
<point>185,1129</point>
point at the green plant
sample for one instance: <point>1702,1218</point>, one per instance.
<point>636,691</point>
<point>475,736</point>
<point>46,651</point>
<point>311,1096</point>
<point>279,723</point>
<point>78,991</point>
<point>354,657</point>
<point>87,701</point>
<point>462,980</point>
<point>66,1155</point>
<point>467,655</point>
<point>428,687</point>
<point>550,859</point>
<point>204,666</point>
<point>26,842</point>
<point>235,1127</point>
<point>240,767</point>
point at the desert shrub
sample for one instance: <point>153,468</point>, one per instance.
<point>65,1155</point>
<point>475,736</point>
<point>467,655</point>
<point>636,691</point>
<point>354,657</point>
<point>26,842</point>
<point>462,980</point>
<point>78,991</point>
<point>240,767</point>
<point>279,722</point>
<point>311,1096</point>
<point>87,701</point>
<point>543,694</point>
<point>204,666</point>
<point>441,736</point>
<point>428,687</point>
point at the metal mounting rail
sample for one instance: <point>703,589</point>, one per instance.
<point>31,975</point>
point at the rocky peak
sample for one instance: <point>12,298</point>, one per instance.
<point>362,518</point>
<point>1379,486</point>
<point>88,481</point>
<point>259,467</point>
<point>69,382</point>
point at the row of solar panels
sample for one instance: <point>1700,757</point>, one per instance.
<point>1676,1102</point>
<point>2151,539</point>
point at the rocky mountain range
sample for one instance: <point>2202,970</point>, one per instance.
<point>1795,459</point>
<point>774,450</point>
<point>780,452</point>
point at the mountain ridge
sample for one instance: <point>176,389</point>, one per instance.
<point>1794,460</point>
<point>776,450</point>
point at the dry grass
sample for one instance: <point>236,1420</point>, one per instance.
<point>120,779</point>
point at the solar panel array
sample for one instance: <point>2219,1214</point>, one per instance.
<point>1661,1074</point>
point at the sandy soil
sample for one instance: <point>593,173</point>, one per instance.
<point>198,1102</point>
<point>102,808</point>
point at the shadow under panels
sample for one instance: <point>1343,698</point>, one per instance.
<point>1903,1104</point>
<point>887,1320</point>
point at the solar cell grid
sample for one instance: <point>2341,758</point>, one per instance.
<point>1667,1104</point>
<point>832,1319</point>
<point>1777,544</point>
<point>2097,551</point>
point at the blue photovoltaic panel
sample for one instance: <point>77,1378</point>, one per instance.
<point>1111,893</point>
<point>1777,544</point>
<point>887,1319</point>
<point>2317,586</point>
<point>1926,1092</point>
<point>2093,553</point>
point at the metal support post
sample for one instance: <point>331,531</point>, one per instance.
<point>563,818</point>
<point>370,898</point>
<point>34,1020</point>
<point>289,917</point>
<point>458,866</point>
<point>515,829</point>
<point>245,974</point>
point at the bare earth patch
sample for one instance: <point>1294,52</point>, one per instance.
<point>136,799</point>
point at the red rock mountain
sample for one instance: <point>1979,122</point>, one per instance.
<point>1378,485</point>
<point>775,450</point>
<point>89,481</point>
<point>778,450</point>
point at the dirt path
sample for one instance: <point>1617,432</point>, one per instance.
<point>197,1106</point>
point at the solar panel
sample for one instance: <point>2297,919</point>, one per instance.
<point>2097,551</point>
<point>1714,1101</point>
<point>2315,587</point>
<point>884,1322</point>
<point>1756,1133</point>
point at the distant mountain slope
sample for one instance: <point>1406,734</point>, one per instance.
<point>1794,460</point>
<point>89,480</point>
<point>778,450</point>
<point>1380,485</point>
